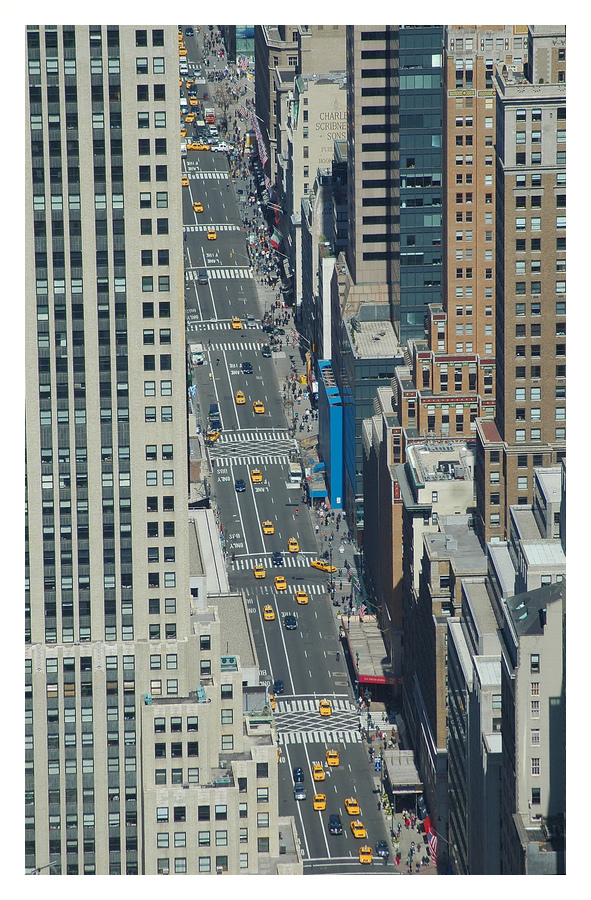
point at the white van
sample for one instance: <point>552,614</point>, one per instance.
<point>184,104</point>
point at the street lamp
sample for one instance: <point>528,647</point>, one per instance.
<point>331,575</point>
<point>357,670</point>
<point>367,698</point>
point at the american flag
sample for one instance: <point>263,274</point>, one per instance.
<point>362,609</point>
<point>243,112</point>
<point>433,847</point>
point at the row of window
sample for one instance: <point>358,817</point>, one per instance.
<point>535,287</point>
<point>143,120</point>
<point>536,158</point>
<point>536,266</point>
<point>535,223</point>
<point>106,413</point>
<point>535,350</point>
<point>536,371</point>
<point>204,862</point>
<point>536,435</point>
<point>175,749</point>
<point>536,137</point>
<point>535,309</point>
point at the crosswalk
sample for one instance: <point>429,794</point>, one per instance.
<point>285,705</point>
<point>279,459</point>
<point>239,437</point>
<point>224,227</point>
<point>234,272</point>
<point>297,722</point>
<point>318,737</point>
<point>290,561</point>
<point>205,175</point>
<point>255,593</point>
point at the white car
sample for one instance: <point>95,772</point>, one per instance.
<point>183,68</point>
<point>221,147</point>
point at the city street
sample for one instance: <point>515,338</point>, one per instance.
<point>304,658</point>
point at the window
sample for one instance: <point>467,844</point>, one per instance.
<point>221,838</point>
<point>536,796</point>
<point>204,861</point>
<point>227,742</point>
<point>221,811</point>
<point>535,766</point>
<point>263,844</point>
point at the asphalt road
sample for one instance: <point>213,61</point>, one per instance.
<point>305,658</point>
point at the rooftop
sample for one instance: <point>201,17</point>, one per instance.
<point>235,630</point>
<point>212,560</point>
<point>526,609</point>
<point>457,541</point>
<point>441,461</point>
<point>367,649</point>
<point>374,339</point>
<point>502,565</point>
<point>489,670</point>
<point>543,553</point>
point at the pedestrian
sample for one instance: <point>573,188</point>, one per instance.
<point>217,362</point>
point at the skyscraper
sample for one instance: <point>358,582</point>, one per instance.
<point>529,429</point>
<point>134,727</point>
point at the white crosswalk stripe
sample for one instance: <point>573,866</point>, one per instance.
<point>238,437</point>
<point>230,273</point>
<point>318,737</point>
<point>235,272</point>
<point>235,345</point>
<point>311,705</point>
<point>277,460</point>
<point>205,175</point>
<point>264,589</point>
<point>223,227</point>
<point>210,326</point>
<point>290,562</point>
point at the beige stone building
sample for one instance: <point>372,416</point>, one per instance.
<point>131,706</point>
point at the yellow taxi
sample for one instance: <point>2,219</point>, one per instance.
<point>319,801</point>
<point>189,82</point>
<point>239,398</point>
<point>212,234</point>
<point>184,181</point>
<point>365,855</point>
<point>258,407</point>
<point>318,773</point>
<point>268,613</point>
<point>280,583</point>
<point>325,708</point>
<point>189,118</point>
<point>332,758</point>
<point>272,702</point>
<point>198,206</point>
<point>183,131</point>
<point>322,565</point>
<point>301,597</point>
<point>211,436</point>
<point>293,546</point>
<point>193,101</point>
<point>236,323</point>
<point>199,145</point>
<point>191,145</point>
<point>182,50</point>
<point>268,527</point>
<point>358,829</point>
<point>259,572</point>
<point>256,476</point>
<point>180,82</point>
<point>352,806</point>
